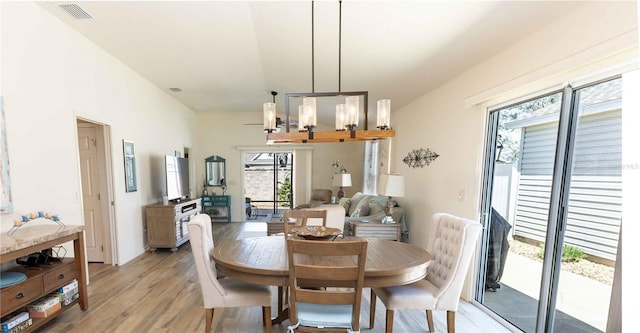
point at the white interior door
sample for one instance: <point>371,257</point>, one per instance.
<point>94,234</point>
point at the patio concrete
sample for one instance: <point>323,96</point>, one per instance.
<point>582,304</point>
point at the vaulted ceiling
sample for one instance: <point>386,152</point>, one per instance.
<point>229,55</point>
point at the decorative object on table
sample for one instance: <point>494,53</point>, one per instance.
<point>204,188</point>
<point>43,258</point>
<point>391,186</point>
<point>347,113</point>
<point>313,232</point>
<point>8,279</point>
<point>420,157</point>
<point>17,223</point>
<point>129,166</point>
<point>341,180</point>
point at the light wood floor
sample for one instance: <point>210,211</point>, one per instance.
<point>160,292</point>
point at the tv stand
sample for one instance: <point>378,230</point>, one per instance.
<point>167,224</point>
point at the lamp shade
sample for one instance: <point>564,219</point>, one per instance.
<point>341,117</point>
<point>391,185</point>
<point>342,179</point>
<point>384,114</point>
<point>269,116</point>
<point>352,106</point>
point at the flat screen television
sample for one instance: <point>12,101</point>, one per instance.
<point>177,172</point>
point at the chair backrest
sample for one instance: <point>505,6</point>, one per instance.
<point>326,264</point>
<point>452,242</point>
<point>300,216</point>
<point>320,196</point>
<point>335,216</point>
<point>201,240</point>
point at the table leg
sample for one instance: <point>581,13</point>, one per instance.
<point>283,312</point>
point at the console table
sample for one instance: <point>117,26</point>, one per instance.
<point>45,279</point>
<point>218,207</point>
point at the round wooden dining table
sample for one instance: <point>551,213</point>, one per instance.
<point>263,260</point>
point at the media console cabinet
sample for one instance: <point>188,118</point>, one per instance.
<point>167,224</point>
<point>46,278</point>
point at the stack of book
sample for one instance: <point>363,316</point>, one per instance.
<point>16,322</point>
<point>44,307</point>
<point>68,293</point>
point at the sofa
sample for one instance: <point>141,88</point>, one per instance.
<point>370,208</point>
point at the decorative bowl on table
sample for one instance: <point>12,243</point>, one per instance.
<point>312,232</point>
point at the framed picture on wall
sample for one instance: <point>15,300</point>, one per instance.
<point>129,166</point>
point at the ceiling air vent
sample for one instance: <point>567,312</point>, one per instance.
<point>175,89</point>
<point>75,11</point>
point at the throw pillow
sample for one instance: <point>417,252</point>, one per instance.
<point>345,202</point>
<point>364,210</point>
<point>356,200</point>
<point>375,208</point>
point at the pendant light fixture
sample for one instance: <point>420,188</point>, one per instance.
<point>347,114</point>
<point>269,114</point>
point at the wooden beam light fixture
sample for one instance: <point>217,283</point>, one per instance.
<point>347,113</point>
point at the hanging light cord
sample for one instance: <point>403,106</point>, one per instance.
<point>340,48</point>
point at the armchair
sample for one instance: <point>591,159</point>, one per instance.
<point>318,197</point>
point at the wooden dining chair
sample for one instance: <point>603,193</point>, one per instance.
<point>224,292</point>
<point>451,242</point>
<point>337,267</point>
<point>301,216</point>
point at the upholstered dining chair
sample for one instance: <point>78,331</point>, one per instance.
<point>301,216</point>
<point>224,292</point>
<point>451,242</point>
<point>330,266</point>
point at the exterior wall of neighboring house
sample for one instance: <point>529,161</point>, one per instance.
<point>595,198</point>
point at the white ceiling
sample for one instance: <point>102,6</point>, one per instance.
<point>228,56</point>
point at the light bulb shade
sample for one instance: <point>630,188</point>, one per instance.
<point>302,119</point>
<point>352,105</point>
<point>309,104</point>
<point>384,114</point>
<point>269,116</point>
<point>341,117</point>
<point>342,180</point>
<point>391,185</point>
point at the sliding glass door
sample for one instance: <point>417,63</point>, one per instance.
<point>268,183</point>
<point>552,209</point>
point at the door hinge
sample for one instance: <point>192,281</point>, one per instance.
<point>98,196</point>
<point>102,248</point>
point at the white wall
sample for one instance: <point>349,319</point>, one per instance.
<point>51,75</point>
<point>451,121</point>
<point>222,133</point>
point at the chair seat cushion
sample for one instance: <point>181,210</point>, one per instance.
<point>324,315</point>
<point>238,293</point>
<point>418,295</point>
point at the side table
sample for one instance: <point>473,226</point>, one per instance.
<point>375,229</point>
